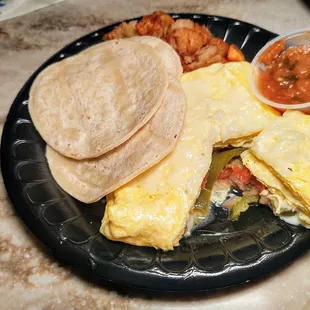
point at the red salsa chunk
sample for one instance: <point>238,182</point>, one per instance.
<point>287,75</point>
<point>240,176</point>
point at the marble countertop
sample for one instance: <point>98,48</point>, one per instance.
<point>29,277</point>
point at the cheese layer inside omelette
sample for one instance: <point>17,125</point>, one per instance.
<point>280,159</point>
<point>153,209</point>
<point>232,107</point>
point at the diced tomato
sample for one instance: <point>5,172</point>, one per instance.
<point>239,176</point>
<point>258,185</point>
<point>242,174</point>
<point>225,174</point>
<point>204,181</point>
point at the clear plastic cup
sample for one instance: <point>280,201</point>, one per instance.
<point>295,38</point>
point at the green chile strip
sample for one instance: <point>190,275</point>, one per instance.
<point>219,161</point>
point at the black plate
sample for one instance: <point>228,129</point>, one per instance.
<point>223,254</point>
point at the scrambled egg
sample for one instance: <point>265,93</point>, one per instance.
<point>280,159</point>
<point>154,208</point>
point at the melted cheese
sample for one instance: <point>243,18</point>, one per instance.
<point>231,106</point>
<point>153,209</point>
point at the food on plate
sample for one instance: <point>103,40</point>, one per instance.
<point>234,53</point>
<point>225,90</point>
<point>241,205</point>
<point>187,37</point>
<point>279,158</point>
<point>219,163</point>
<point>156,24</point>
<point>169,56</point>
<point>124,30</point>
<point>272,52</point>
<point>228,183</point>
<point>155,208</point>
<point>286,78</point>
<point>194,43</point>
<point>115,124</point>
<point>166,52</point>
<point>88,104</point>
<point>90,179</point>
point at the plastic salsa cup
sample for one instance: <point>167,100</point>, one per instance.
<point>296,38</point>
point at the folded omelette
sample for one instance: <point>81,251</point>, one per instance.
<point>154,208</point>
<point>232,107</point>
<point>280,159</point>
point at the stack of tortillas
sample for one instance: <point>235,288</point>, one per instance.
<point>108,114</point>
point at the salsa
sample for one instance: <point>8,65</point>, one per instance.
<point>286,78</point>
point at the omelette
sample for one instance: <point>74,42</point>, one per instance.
<point>154,208</point>
<point>280,159</point>
<point>224,88</point>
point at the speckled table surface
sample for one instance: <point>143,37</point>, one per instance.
<point>29,277</point>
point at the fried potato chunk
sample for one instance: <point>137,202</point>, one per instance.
<point>157,24</point>
<point>235,54</point>
<point>186,41</point>
<point>205,57</point>
<point>222,46</point>
<point>194,43</point>
<point>123,30</point>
